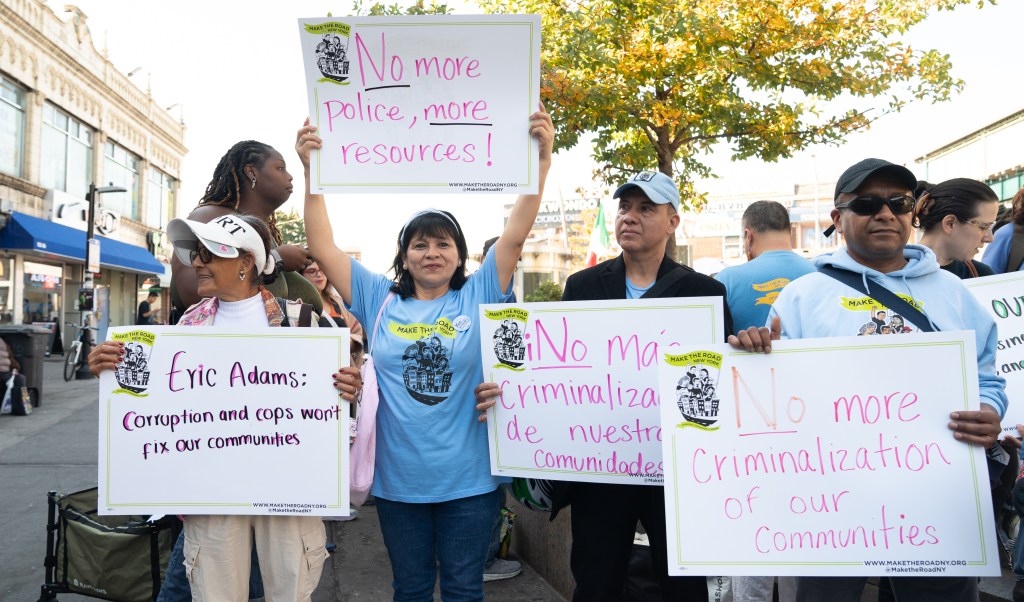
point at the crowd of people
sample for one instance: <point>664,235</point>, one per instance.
<point>438,503</point>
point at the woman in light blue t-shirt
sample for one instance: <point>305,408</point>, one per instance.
<point>436,497</point>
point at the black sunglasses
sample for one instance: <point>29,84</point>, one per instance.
<point>202,253</point>
<point>870,205</point>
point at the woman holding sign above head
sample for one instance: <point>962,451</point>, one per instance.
<point>231,258</point>
<point>436,497</point>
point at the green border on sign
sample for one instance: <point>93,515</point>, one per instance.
<point>342,426</point>
<point>446,185</point>
<point>680,561</point>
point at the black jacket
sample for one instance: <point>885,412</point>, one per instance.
<point>607,280</point>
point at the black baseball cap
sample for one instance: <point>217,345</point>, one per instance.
<point>855,175</point>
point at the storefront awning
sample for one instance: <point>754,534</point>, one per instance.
<point>27,233</point>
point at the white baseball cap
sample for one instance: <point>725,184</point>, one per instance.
<point>224,236</point>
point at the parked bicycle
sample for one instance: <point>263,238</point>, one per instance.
<point>74,357</point>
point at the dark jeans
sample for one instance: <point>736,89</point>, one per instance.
<point>176,588</point>
<point>450,537</point>
<point>905,589</point>
<point>495,545</point>
<point>604,519</point>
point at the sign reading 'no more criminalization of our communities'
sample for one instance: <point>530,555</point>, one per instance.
<point>579,380</point>
<point>827,457</point>
<point>433,103</point>
<point>223,421</point>
<point>1003,296</point>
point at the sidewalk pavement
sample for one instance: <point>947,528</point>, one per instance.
<point>56,449</point>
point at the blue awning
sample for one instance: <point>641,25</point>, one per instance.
<point>27,233</point>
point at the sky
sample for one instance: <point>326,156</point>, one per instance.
<point>232,71</point>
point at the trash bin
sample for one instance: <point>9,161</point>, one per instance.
<point>29,344</point>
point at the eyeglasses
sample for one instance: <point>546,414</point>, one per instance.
<point>312,271</point>
<point>204,254</point>
<point>870,205</point>
<point>983,226</point>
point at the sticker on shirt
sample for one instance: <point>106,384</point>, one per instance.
<point>426,363</point>
<point>509,347</point>
<point>697,391</point>
<point>462,323</point>
<point>878,319</point>
<point>771,290</point>
<point>132,373</point>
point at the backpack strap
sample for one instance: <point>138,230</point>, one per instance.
<point>1016,249</point>
<point>970,268</point>
<point>664,283</point>
<point>882,295</point>
<point>297,313</point>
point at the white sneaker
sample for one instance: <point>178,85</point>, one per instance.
<point>502,569</point>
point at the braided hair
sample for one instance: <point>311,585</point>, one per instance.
<point>225,188</point>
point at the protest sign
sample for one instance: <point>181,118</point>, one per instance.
<point>1003,297</point>
<point>579,379</point>
<point>433,103</point>
<point>825,457</point>
<point>224,421</point>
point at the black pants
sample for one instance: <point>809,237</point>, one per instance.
<point>905,589</point>
<point>604,521</point>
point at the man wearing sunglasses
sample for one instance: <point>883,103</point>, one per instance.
<point>873,209</point>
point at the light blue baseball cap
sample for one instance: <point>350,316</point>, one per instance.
<point>657,186</point>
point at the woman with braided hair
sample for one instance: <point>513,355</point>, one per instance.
<point>957,217</point>
<point>250,178</point>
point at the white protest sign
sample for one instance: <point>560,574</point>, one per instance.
<point>825,457</point>
<point>1003,297</point>
<point>423,104</point>
<point>223,421</point>
<point>579,380</point>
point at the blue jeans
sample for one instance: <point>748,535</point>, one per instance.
<point>495,543</point>
<point>176,588</point>
<point>452,536</point>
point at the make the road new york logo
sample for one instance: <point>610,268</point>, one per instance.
<point>132,373</point>
<point>697,391</point>
<point>332,51</point>
<point>509,346</point>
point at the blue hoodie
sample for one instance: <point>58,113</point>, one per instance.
<point>818,305</point>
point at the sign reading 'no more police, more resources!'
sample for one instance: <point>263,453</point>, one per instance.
<point>433,103</point>
<point>222,421</point>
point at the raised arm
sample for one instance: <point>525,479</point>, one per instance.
<point>509,245</point>
<point>335,263</point>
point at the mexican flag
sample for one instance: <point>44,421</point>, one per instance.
<point>598,238</point>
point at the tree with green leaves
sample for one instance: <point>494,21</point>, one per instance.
<point>545,291</point>
<point>660,83</point>
<point>292,230</point>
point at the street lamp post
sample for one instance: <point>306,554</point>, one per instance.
<point>87,280</point>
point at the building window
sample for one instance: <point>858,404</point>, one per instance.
<point>67,153</point>
<point>12,126</point>
<point>121,168</point>
<point>159,199</point>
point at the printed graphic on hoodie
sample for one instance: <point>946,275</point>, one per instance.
<point>879,319</point>
<point>426,370</point>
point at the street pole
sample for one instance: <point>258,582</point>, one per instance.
<point>87,279</point>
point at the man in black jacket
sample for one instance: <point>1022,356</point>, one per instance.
<point>604,516</point>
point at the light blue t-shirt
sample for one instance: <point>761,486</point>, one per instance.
<point>635,292</point>
<point>752,287</point>
<point>430,446</point>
